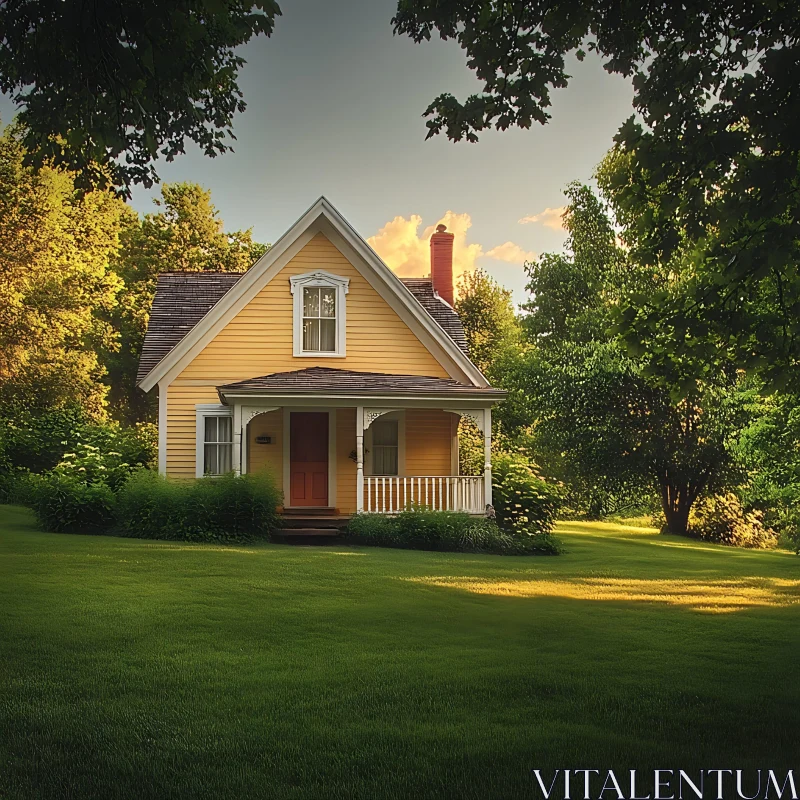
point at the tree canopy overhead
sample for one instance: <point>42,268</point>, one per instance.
<point>107,86</point>
<point>713,165</point>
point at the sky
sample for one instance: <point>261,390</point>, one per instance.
<point>335,104</point>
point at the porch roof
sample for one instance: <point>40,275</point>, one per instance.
<point>344,382</point>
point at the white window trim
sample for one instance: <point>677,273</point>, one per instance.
<point>313,280</point>
<point>400,417</point>
<point>201,412</point>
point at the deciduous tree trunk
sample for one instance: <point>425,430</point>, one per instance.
<point>677,503</point>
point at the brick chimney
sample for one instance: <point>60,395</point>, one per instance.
<point>442,263</point>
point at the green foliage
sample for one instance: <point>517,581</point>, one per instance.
<point>722,519</point>
<point>524,501</point>
<point>55,286</point>
<point>187,234</point>
<point>606,426</point>
<point>421,529</point>
<point>709,170</point>
<point>769,450</point>
<point>225,509</point>
<point>65,503</point>
<point>107,89</point>
<point>38,442</point>
<point>17,487</point>
<point>491,326</point>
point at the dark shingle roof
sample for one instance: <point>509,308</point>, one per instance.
<point>182,299</point>
<point>348,382</point>
<point>444,314</point>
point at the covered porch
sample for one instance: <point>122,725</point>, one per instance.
<point>341,442</point>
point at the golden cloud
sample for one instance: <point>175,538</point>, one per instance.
<point>550,218</point>
<point>407,252</point>
<point>511,252</point>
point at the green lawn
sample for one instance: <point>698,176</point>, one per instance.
<point>135,669</point>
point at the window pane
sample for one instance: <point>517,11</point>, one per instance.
<point>210,460</point>
<point>384,460</point>
<point>224,429</point>
<point>224,458</point>
<point>327,342</point>
<point>327,302</point>
<point>211,429</point>
<point>310,302</point>
<point>311,335</point>
<point>385,432</point>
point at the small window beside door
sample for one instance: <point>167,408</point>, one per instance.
<point>385,447</point>
<point>217,445</point>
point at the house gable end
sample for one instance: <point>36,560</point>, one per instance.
<point>321,219</point>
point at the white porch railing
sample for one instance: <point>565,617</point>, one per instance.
<point>388,495</point>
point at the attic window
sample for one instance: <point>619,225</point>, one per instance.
<point>319,314</point>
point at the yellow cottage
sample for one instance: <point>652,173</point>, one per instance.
<point>320,365</point>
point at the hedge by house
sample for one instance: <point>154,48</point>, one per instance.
<point>422,529</point>
<point>228,508</point>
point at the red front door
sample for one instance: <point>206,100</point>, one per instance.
<point>308,445</point>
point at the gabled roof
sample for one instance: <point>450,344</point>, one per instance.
<point>182,299</point>
<point>442,312</point>
<point>314,380</point>
<point>323,218</point>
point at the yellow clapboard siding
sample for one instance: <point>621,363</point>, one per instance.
<point>258,340</point>
<point>345,466</point>
<point>267,457</point>
<point>182,427</point>
<point>428,442</point>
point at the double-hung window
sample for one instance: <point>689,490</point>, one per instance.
<point>385,447</point>
<point>319,319</point>
<point>319,314</point>
<point>214,440</point>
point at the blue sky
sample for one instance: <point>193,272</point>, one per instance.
<point>334,108</point>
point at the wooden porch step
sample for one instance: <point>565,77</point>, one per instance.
<point>311,511</point>
<point>310,521</point>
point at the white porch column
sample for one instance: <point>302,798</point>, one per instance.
<point>487,456</point>
<point>238,463</point>
<point>359,459</point>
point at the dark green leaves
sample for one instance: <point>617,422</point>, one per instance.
<point>107,87</point>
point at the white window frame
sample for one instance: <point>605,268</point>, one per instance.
<point>313,280</point>
<point>201,412</point>
<point>400,418</point>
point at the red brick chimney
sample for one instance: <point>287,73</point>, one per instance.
<point>442,263</point>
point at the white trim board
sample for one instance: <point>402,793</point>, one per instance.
<point>322,217</point>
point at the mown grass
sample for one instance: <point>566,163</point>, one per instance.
<point>143,669</point>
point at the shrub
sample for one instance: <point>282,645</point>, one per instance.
<point>445,531</point>
<point>524,502</point>
<point>723,520</point>
<point>17,487</point>
<point>63,503</point>
<point>224,509</point>
<point>38,442</point>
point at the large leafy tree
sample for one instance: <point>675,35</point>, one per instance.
<point>605,425</point>
<point>713,169</point>
<point>55,285</point>
<point>186,234</point>
<point>107,86</point>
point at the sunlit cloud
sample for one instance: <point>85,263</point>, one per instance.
<point>550,218</point>
<point>407,251</point>
<point>511,252</point>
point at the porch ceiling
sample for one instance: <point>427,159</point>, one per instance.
<point>325,381</point>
